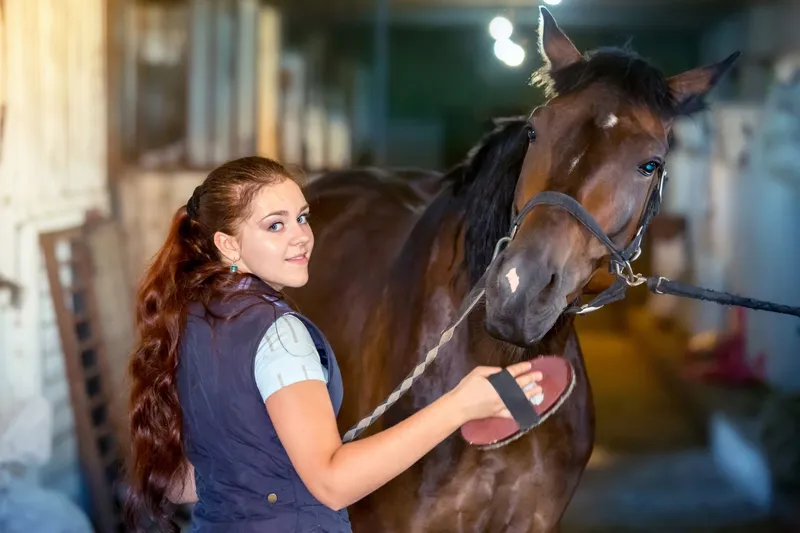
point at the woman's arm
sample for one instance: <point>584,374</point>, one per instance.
<point>339,475</point>
<point>182,489</point>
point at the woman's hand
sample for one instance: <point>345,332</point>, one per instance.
<point>477,398</point>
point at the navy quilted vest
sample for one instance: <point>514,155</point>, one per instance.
<point>245,480</point>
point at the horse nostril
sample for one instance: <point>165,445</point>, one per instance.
<point>553,285</point>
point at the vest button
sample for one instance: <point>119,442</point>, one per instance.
<point>272,498</point>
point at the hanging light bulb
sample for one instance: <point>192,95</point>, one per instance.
<point>509,52</point>
<point>500,28</point>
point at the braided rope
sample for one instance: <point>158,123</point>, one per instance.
<point>401,389</point>
<point>475,295</point>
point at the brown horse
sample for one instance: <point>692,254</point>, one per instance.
<point>391,268</point>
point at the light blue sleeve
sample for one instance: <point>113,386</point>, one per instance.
<point>286,355</point>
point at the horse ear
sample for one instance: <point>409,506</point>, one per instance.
<point>689,88</point>
<point>555,46</point>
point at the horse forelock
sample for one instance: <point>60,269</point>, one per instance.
<point>622,70</point>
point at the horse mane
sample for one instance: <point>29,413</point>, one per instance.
<point>486,180</point>
<point>624,71</point>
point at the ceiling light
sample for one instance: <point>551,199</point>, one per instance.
<point>509,52</point>
<point>500,28</point>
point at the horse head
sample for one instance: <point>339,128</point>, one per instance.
<point>601,139</point>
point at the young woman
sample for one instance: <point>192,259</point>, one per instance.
<point>235,395</point>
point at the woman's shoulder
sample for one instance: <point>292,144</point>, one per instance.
<point>288,332</point>
<point>287,354</point>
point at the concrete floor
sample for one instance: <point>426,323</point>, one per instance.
<point>651,471</point>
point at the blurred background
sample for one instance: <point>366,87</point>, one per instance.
<point>112,111</point>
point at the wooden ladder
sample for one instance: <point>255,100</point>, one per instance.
<point>69,266</point>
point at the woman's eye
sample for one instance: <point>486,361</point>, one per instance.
<point>303,219</point>
<point>648,168</point>
<point>276,226</point>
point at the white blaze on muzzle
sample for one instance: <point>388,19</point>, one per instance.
<point>513,279</point>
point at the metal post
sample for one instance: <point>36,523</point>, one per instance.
<point>199,119</point>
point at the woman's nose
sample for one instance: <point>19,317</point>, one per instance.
<point>300,236</point>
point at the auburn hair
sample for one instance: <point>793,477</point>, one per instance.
<point>187,268</point>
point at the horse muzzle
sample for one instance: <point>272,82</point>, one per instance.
<point>524,297</point>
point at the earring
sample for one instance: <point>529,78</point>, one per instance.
<point>234,268</point>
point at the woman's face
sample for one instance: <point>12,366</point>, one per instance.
<point>275,242</point>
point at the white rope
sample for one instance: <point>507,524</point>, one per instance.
<point>365,422</point>
<point>475,295</point>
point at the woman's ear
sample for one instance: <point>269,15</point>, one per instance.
<point>228,246</point>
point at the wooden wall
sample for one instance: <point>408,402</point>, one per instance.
<point>198,81</point>
<point>52,170</point>
<point>147,200</point>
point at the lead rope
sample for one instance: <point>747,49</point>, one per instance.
<point>475,295</point>
<point>662,285</point>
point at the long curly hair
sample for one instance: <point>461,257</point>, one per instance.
<point>188,267</point>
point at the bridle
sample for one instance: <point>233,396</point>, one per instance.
<point>620,259</point>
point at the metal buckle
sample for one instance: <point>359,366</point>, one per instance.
<point>657,288</point>
<point>586,308</point>
<point>501,244</point>
<point>631,278</point>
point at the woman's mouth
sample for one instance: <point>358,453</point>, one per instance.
<point>300,259</point>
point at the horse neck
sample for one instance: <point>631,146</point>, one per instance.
<point>433,271</point>
<point>432,277</point>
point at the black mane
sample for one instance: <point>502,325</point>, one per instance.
<point>632,76</point>
<point>486,180</point>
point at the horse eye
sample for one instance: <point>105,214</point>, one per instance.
<point>648,168</point>
<point>531,133</point>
